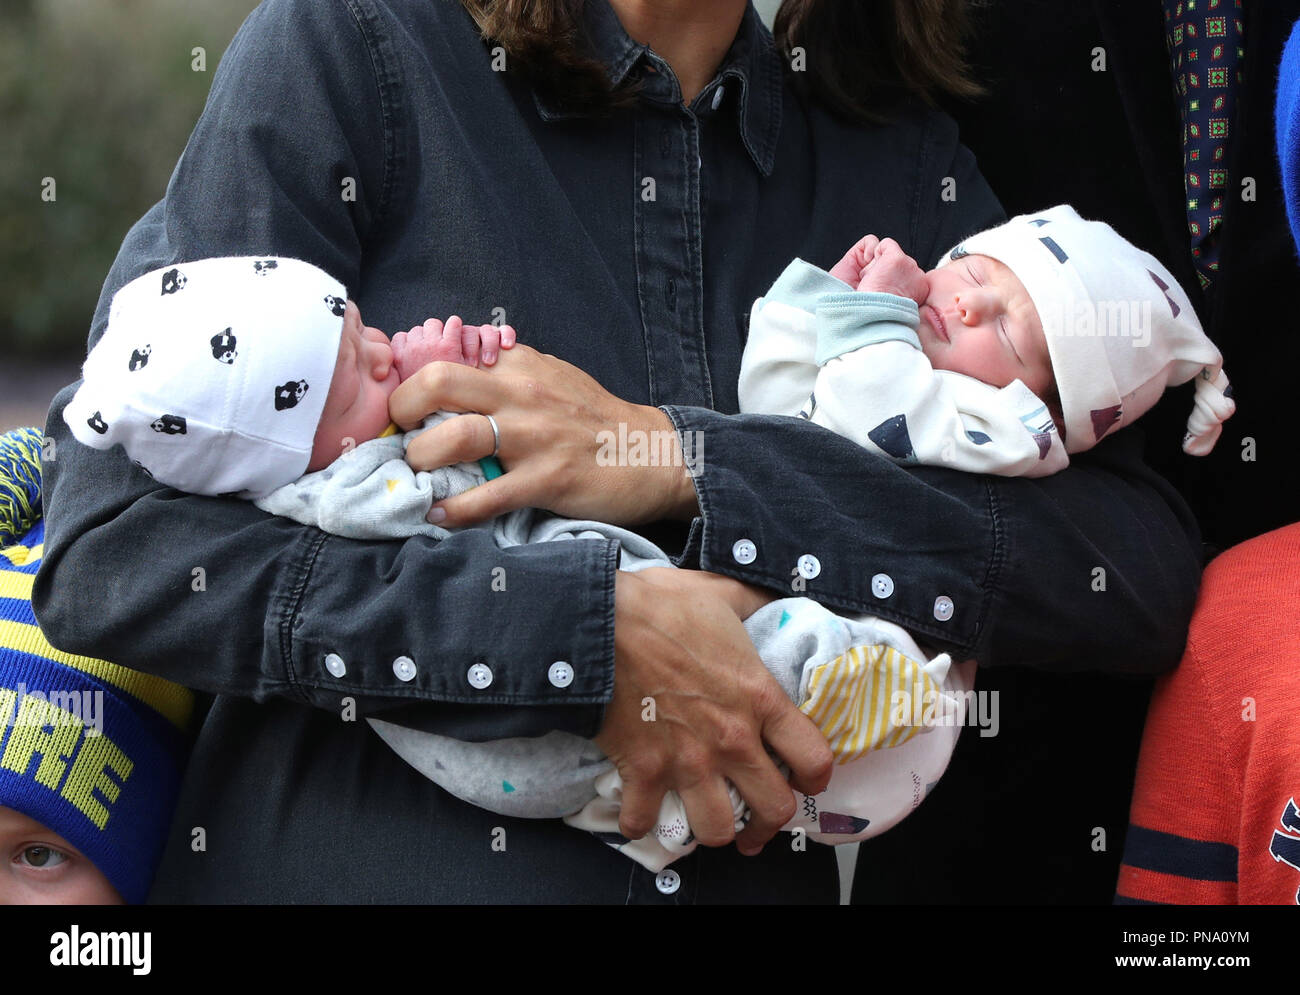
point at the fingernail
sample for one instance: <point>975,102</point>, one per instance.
<point>489,358</point>
<point>436,515</point>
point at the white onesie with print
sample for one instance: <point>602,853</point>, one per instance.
<point>851,362</point>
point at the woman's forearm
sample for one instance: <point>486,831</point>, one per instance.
<point>219,596</point>
<point>1094,568</point>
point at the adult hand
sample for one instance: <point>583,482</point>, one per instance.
<point>549,414</point>
<point>714,706</point>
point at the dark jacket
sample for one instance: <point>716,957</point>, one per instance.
<point>1044,806</point>
<point>474,194</point>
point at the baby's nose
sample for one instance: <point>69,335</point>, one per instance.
<point>972,305</point>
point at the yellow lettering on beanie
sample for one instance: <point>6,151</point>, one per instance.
<point>90,765</point>
<point>97,755</point>
<point>29,737</point>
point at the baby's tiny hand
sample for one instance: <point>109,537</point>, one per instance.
<point>849,269</point>
<point>452,342</point>
<point>889,270</point>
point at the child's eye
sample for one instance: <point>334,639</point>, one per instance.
<point>42,856</point>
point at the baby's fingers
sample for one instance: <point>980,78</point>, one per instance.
<point>489,338</point>
<point>494,338</point>
<point>468,337</point>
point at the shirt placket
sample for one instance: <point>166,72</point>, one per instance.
<point>669,254</point>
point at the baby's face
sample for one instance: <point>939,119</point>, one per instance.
<point>42,868</point>
<point>979,320</point>
<point>356,407</point>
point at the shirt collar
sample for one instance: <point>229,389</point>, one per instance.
<point>751,64</point>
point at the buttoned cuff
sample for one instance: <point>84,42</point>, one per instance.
<point>790,506</point>
<point>532,625</point>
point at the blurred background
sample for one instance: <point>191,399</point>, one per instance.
<point>100,96</point>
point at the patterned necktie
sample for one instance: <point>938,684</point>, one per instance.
<point>1204,38</point>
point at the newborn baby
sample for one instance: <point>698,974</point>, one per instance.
<point>1028,342</point>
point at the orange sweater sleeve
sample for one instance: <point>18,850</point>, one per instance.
<point>1214,817</point>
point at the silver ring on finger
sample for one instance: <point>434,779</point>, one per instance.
<point>496,434</point>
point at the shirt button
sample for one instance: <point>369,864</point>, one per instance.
<point>809,566</point>
<point>882,585</point>
<point>717,96</point>
<point>668,881</point>
<point>560,674</point>
<point>943,608</point>
<point>334,664</point>
<point>404,668</point>
<point>744,551</point>
<point>480,676</point>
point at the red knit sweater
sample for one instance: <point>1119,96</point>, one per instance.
<point>1214,817</point>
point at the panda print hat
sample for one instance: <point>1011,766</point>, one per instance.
<point>212,375</point>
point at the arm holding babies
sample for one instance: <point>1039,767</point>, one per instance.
<point>851,361</point>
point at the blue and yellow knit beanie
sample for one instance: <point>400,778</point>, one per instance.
<point>90,749</point>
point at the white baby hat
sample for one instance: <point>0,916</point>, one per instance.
<point>212,375</point>
<point>1119,328</point>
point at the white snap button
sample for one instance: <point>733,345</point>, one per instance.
<point>480,675</point>
<point>717,96</point>
<point>744,551</point>
<point>809,566</point>
<point>943,608</point>
<point>882,585</point>
<point>560,674</point>
<point>668,881</point>
<point>404,668</point>
<point>334,664</point>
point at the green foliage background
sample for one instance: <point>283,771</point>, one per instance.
<point>101,96</point>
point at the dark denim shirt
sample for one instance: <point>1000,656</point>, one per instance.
<point>633,248</point>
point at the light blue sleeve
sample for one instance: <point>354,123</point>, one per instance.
<point>847,321</point>
<point>802,285</point>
